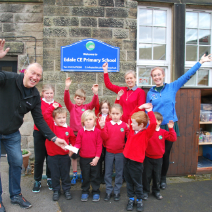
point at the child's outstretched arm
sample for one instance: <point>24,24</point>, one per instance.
<point>171,134</point>
<point>67,100</point>
<point>95,99</point>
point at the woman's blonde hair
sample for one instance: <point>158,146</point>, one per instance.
<point>86,114</point>
<point>47,87</point>
<point>130,72</point>
<point>157,68</point>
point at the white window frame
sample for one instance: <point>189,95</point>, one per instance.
<point>166,64</point>
<point>207,65</point>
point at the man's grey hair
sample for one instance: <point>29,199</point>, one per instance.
<point>37,65</point>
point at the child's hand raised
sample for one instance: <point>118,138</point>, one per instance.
<point>105,67</point>
<point>120,93</point>
<point>146,106</point>
<point>170,124</point>
<point>68,82</point>
<point>56,105</point>
<point>102,122</point>
<point>94,161</point>
<point>95,89</point>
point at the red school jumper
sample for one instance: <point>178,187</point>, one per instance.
<point>129,100</point>
<point>156,144</point>
<point>113,135</point>
<point>137,143</point>
<point>64,132</point>
<point>89,142</point>
<point>44,107</point>
<point>77,111</point>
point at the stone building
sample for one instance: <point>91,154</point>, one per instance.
<point>149,33</point>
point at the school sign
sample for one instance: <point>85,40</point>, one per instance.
<point>89,55</point>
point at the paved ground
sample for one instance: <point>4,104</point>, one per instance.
<point>192,194</point>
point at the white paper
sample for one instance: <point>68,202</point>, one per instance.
<point>72,148</point>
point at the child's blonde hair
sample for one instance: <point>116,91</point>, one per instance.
<point>86,114</point>
<point>158,116</point>
<point>140,117</point>
<point>103,102</point>
<point>80,92</point>
<point>47,87</point>
<point>118,107</point>
<point>59,110</point>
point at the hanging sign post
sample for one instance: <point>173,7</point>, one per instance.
<point>88,56</point>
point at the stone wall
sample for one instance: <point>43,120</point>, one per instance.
<point>68,21</point>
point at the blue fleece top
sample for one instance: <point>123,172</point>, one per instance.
<point>164,101</point>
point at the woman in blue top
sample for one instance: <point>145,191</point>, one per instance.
<point>162,96</point>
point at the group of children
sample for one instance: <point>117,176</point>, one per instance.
<point>103,136</point>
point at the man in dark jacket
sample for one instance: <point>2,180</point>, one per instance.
<point>18,96</point>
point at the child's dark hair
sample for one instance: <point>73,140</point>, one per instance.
<point>158,116</point>
<point>101,103</point>
<point>140,117</point>
<point>59,110</point>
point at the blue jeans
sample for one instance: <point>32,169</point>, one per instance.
<point>12,145</point>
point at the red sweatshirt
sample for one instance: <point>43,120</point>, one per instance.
<point>129,100</point>
<point>44,106</point>
<point>114,136</point>
<point>77,111</point>
<point>89,143</point>
<point>156,144</point>
<point>137,143</point>
<point>64,132</point>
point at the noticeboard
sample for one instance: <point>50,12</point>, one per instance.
<point>89,55</point>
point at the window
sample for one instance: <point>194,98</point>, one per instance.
<point>153,42</point>
<point>198,42</point>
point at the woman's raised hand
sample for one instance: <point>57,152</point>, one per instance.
<point>105,67</point>
<point>120,93</point>
<point>2,51</point>
<point>205,58</point>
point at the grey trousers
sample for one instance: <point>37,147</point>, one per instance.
<point>119,166</point>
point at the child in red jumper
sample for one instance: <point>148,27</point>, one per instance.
<point>39,141</point>
<point>76,110</point>
<point>89,142</point>
<point>154,157</point>
<point>134,153</point>
<point>58,159</point>
<point>113,134</point>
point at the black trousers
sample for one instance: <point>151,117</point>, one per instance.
<point>133,176</point>
<point>165,166</point>
<point>40,155</point>
<point>102,163</point>
<point>59,166</point>
<point>90,175</point>
<point>152,171</point>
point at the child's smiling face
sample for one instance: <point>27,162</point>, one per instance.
<point>60,119</point>
<point>105,109</point>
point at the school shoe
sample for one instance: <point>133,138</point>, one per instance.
<point>68,195</point>
<point>74,180</point>
<point>163,186</point>
<point>96,198</point>
<point>49,184</point>
<point>84,197</point>
<point>130,205</point>
<point>20,200</point>
<point>2,208</point>
<point>107,197</point>
<point>145,196</point>
<point>140,205</point>
<point>36,187</point>
<point>117,197</point>
<point>56,196</point>
<point>157,196</point>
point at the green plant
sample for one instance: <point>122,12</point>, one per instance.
<point>24,152</point>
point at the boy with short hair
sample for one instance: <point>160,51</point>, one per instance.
<point>76,110</point>
<point>154,157</point>
<point>89,142</point>
<point>58,158</point>
<point>134,152</point>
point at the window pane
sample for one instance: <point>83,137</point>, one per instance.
<point>145,34</point>
<point>203,77</point>
<point>191,19</point>
<point>191,36</point>
<point>159,17</point>
<point>145,52</point>
<point>159,52</point>
<point>191,53</point>
<point>204,20</point>
<point>144,77</point>
<point>145,17</point>
<point>159,35</point>
<point>192,81</point>
<point>204,37</point>
<point>204,50</point>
